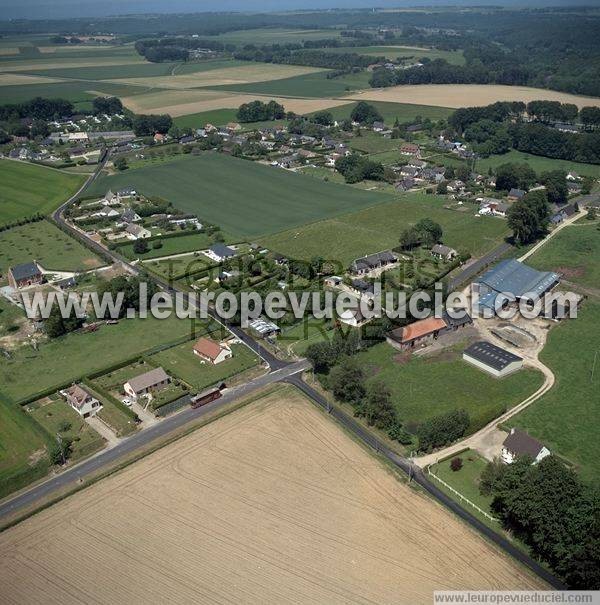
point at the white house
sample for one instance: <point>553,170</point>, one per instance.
<point>519,443</point>
<point>137,231</point>
<point>220,252</point>
<point>81,401</point>
<point>154,380</point>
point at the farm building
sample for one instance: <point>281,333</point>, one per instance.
<point>417,334</point>
<point>515,281</point>
<point>519,443</point>
<point>212,351</point>
<point>264,328</point>
<point>220,252</point>
<point>84,403</point>
<point>492,359</point>
<point>374,261</point>
<point>154,380</point>
<point>27,274</point>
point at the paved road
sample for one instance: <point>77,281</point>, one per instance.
<point>281,371</point>
<point>416,474</point>
<point>137,441</point>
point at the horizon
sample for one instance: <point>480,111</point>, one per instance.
<point>36,10</point>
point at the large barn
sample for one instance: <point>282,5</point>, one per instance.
<point>515,281</point>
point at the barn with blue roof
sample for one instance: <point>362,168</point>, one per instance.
<point>515,281</point>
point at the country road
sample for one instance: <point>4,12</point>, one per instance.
<point>280,371</point>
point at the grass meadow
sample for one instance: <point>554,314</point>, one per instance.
<point>405,112</point>
<point>48,245</point>
<point>355,234</point>
<point>574,252</point>
<point>27,189</point>
<point>424,387</point>
<point>245,198</point>
<point>69,357</point>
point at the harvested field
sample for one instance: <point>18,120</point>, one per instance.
<point>7,50</point>
<point>17,79</point>
<point>468,95</point>
<point>241,74</point>
<point>184,102</point>
<point>270,504</point>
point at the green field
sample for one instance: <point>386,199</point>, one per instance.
<point>566,418</point>
<point>27,189</point>
<point>404,52</point>
<point>424,387</point>
<point>575,252</point>
<point>537,163</point>
<point>181,362</point>
<point>405,112</point>
<point>217,117</point>
<point>22,445</point>
<point>74,355</point>
<point>274,35</point>
<point>465,480</point>
<point>373,142</point>
<point>366,231</point>
<point>48,245</point>
<point>316,85</point>
<point>76,91</point>
<point>245,198</point>
<point>53,414</point>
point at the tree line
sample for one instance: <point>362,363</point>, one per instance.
<point>257,111</point>
<point>549,508</point>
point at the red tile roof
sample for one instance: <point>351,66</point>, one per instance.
<point>422,328</point>
<point>208,348</point>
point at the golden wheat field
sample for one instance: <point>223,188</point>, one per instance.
<point>273,503</point>
<point>467,95</point>
<point>183,102</point>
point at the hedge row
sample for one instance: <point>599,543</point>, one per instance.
<point>172,406</point>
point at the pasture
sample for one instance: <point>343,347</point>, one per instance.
<point>22,447</point>
<point>69,357</point>
<point>404,112</point>
<point>415,385</point>
<point>309,85</point>
<point>574,252</point>
<point>393,53</point>
<point>537,163</point>
<point>48,245</point>
<point>245,198</point>
<point>355,234</point>
<point>468,95</point>
<point>257,475</point>
<point>27,189</point>
<point>238,74</point>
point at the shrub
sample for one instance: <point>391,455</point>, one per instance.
<point>456,464</point>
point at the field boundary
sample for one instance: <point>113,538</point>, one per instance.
<point>463,498</point>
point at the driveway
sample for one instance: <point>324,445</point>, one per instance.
<point>104,430</point>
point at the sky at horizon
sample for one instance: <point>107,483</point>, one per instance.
<point>60,9</point>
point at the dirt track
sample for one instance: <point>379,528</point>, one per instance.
<point>271,504</point>
<point>467,95</point>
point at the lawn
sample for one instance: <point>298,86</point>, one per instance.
<point>245,198</point>
<point>574,252</point>
<point>217,117</point>
<point>373,142</point>
<point>69,357</point>
<point>422,388</point>
<point>566,418</point>
<point>359,233</point>
<point>170,245</point>
<point>27,189</point>
<point>48,245</point>
<point>183,363</point>
<point>537,163</point>
<point>51,415</point>
<point>465,480</point>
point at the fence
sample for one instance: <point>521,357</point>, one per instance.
<point>463,498</point>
